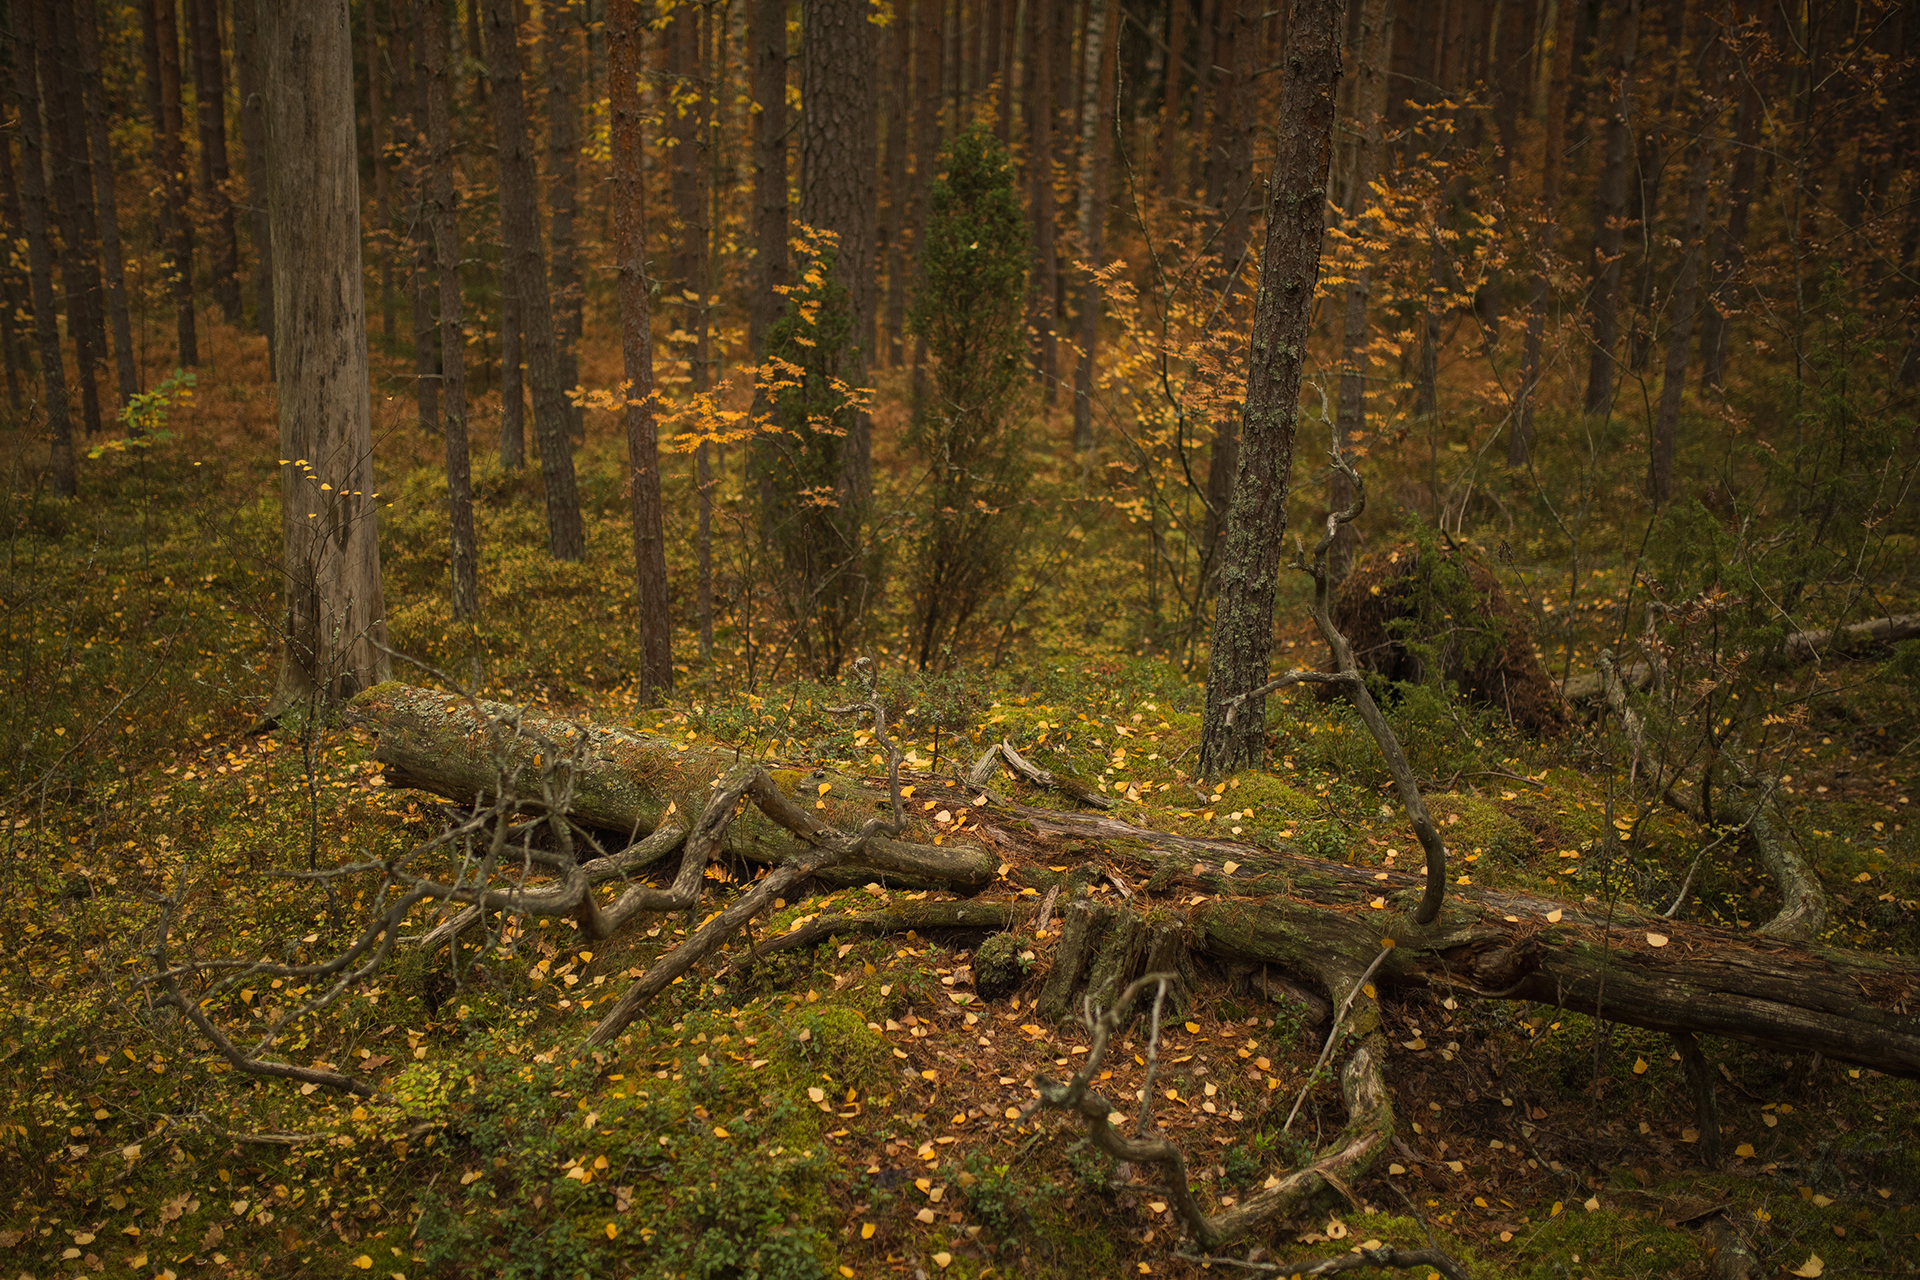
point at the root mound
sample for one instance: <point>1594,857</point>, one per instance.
<point>1413,606</point>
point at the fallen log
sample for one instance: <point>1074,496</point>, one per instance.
<point>1296,913</point>
<point>629,783</point>
<point>1801,647</point>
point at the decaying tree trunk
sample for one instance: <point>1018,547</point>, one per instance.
<point>1303,916</point>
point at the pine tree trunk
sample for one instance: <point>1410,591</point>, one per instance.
<point>711,75</point>
<point>513,392</point>
<point>625,34</point>
<point>527,277</point>
<point>442,210</point>
<point>1513,45</point>
<point>893,227</point>
<point>767,56</point>
<point>335,629</point>
<point>1093,233</point>
<point>1040,111</point>
<point>253,143</point>
<point>837,180</point>
<point>683,127</point>
<point>12,295</point>
<point>1731,260</point>
<point>71,197</point>
<point>563,171</point>
<point>1374,60</point>
<point>33,217</point>
<point>1009,17</point>
<point>1520,438</point>
<point>1686,290</point>
<point>377,139</point>
<point>1609,213</point>
<point>163,103</point>
<point>926,146</point>
<point>1170,95</point>
<point>210,93</point>
<point>106,203</point>
<point>1257,516</point>
<point>410,130</point>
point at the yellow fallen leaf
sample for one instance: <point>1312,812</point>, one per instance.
<point>1396,1168</point>
<point>1821,1202</point>
<point>1193,1028</point>
<point>1744,1150</point>
<point>941,1259</point>
<point>866,1230</point>
<point>1639,1066</point>
<point>612,1231</point>
<point>1554,916</point>
<point>816,1094</point>
<point>824,788</point>
<point>1336,1229</point>
<point>1656,939</point>
<point>1157,1206</point>
<point>363,1262</point>
<point>1593,1204</point>
<point>1555,1211</point>
<point>1813,1266</point>
<point>925,1216</point>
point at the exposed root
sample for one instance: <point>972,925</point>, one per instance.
<point>897,919</point>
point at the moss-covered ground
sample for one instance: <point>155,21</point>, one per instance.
<point>853,1109</point>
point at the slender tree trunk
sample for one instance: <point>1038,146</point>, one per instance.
<point>1520,436</point>
<point>837,180</point>
<point>711,75</point>
<point>33,217</point>
<point>12,295</point>
<point>176,223</point>
<point>377,138</point>
<point>1653,151</point>
<point>1009,42</point>
<point>1686,290</point>
<point>624,62</point>
<point>253,143</point>
<point>477,51</point>
<point>683,128</point>
<point>893,228</point>
<point>527,276</point>
<point>513,391</point>
<point>926,147</point>
<point>1201,120</point>
<point>104,199</point>
<point>1043,284</point>
<point>1093,233</point>
<point>563,169</point>
<point>210,93</point>
<point>1731,261</point>
<point>1609,213</point>
<point>410,129</point>
<point>1513,43</point>
<point>767,55</point>
<point>1375,58</point>
<point>1257,517</point>
<point>335,626</point>
<point>442,209</point>
<point>71,200</point>
<point>1170,94</point>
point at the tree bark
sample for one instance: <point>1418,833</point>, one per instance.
<point>105,201</point>
<point>1170,95</point>
<point>1043,283</point>
<point>1520,437</point>
<point>335,628</point>
<point>893,229</point>
<point>837,180</point>
<point>443,211</point>
<point>71,200</point>
<point>563,171</point>
<point>1686,289</point>
<point>682,39</point>
<point>33,217</point>
<point>1257,514</point>
<point>625,34</point>
<point>210,111</point>
<point>163,103</point>
<point>253,144</point>
<point>527,278</point>
<point>14,290</point>
<point>767,53</point>
<point>410,128</point>
<point>1305,916</point>
<point>1373,61</point>
<point>1731,261</point>
<point>1609,214</point>
<point>1093,232</point>
<point>377,141</point>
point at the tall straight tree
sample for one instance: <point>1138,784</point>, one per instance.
<point>253,145</point>
<point>1042,282</point>
<point>1610,212</point>
<point>377,141</point>
<point>837,180</point>
<point>335,635</point>
<point>210,115</point>
<point>928,52</point>
<point>1520,436</point>
<point>1093,230</point>
<point>527,278</point>
<point>410,130</point>
<point>767,59</point>
<point>1283,312</point>
<point>625,31</point>
<point>105,200</point>
<point>563,175</point>
<point>33,217</point>
<point>1170,94</point>
<point>13,295</point>
<point>443,212</point>
<point>162,37</point>
<point>893,226</point>
<point>71,200</point>
<point>1373,60</point>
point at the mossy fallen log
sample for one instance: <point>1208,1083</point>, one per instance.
<point>626,782</point>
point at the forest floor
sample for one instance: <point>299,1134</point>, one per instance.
<point>853,1109</point>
